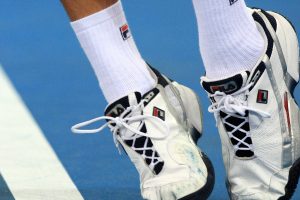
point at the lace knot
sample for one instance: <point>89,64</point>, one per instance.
<point>234,103</point>
<point>118,122</point>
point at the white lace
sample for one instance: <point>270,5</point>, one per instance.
<point>122,123</point>
<point>230,104</point>
<point>118,125</point>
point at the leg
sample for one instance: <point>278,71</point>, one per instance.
<point>104,35</point>
<point>151,128</point>
<point>78,9</point>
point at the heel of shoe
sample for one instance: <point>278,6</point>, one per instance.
<point>192,106</point>
<point>207,189</point>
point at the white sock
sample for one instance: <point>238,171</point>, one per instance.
<point>106,40</point>
<point>228,37</point>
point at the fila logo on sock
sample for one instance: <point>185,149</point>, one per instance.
<point>232,1</point>
<point>262,96</point>
<point>125,32</point>
<point>159,113</point>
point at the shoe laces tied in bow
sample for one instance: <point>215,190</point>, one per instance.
<point>234,103</point>
<point>120,125</point>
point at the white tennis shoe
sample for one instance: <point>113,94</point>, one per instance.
<point>258,118</point>
<point>159,132</point>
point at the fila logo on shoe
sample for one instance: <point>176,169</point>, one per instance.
<point>232,2</point>
<point>262,96</point>
<point>125,32</point>
<point>159,113</point>
<point>116,111</point>
<point>227,87</point>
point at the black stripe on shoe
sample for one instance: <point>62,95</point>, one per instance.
<point>259,20</point>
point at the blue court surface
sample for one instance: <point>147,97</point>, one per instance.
<point>42,58</point>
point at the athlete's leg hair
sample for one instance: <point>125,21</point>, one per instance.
<point>78,9</point>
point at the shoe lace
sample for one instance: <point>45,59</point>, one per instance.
<point>235,105</point>
<point>119,125</point>
<point>231,104</point>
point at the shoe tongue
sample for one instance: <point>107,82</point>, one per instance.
<point>118,107</point>
<point>227,85</point>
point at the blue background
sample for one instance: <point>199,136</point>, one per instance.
<point>41,55</point>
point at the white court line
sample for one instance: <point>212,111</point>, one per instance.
<point>28,164</point>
